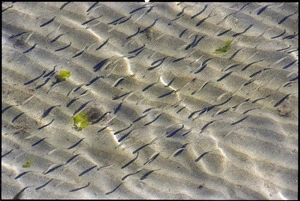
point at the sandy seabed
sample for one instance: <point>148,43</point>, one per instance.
<point>171,118</point>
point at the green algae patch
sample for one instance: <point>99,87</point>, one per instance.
<point>81,121</point>
<point>28,163</point>
<point>224,49</point>
<point>63,75</point>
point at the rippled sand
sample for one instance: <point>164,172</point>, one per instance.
<point>178,120</point>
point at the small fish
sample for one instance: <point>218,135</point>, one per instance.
<point>20,175</point>
<point>131,161</point>
<point>289,65</point>
<point>54,168</point>
<point>104,43</point>
<point>138,31</point>
<point>86,22</point>
<point>114,189</point>
<point>201,21</point>
<point>199,12</point>
<point>41,140</point>
<point>151,159</point>
<point>245,6</point>
<point>281,100</point>
<point>201,156</point>
<point>78,54</point>
<point>46,113</point>
<point>166,94</point>
<point>42,186</point>
<point>176,60</point>
<point>147,87</point>
<point>118,108</point>
<point>124,129</point>
<point>118,97</point>
<point>153,120</point>
<point>190,45</point>
<point>125,20</point>
<point>57,50</point>
<point>7,153</point>
<point>230,67</point>
<point>181,34</point>
<point>72,158</point>
<point>48,22</point>
<point>285,18</point>
<point>180,109</point>
<point>87,170</point>
<point>223,111</point>
<point>46,125</point>
<point>118,82</point>
<point>93,80</point>
<point>205,126</point>
<point>102,129</point>
<point>196,42</point>
<point>147,28</point>
<point>19,194</point>
<point>7,8</point>
<point>177,18</point>
<point>294,79</point>
<point>45,82</point>
<point>179,151</point>
<point>247,66</point>
<point>71,102</point>
<point>81,107</point>
<point>186,132</point>
<point>115,21</point>
<point>50,73</point>
<point>133,51</point>
<point>147,174</point>
<point>98,120</point>
<point>100,65</point>
<point>124,136</point>
<point>234,54</point>
<point>64,5</point>
<point>14,119</point>
<point>262,10</point>
<point>224,76</point>
<point>56,38</point>
<point>29,82</point>
<point>234,35</point>
<point>174,132</point>
<point>139,118</point>
<point>290,36</point>
<point>77,189</point>
<point>249,110</point>
<point>135,10</point>
<point>123,178</point>
<point>193,113</point>
<point>77,143</point>
<point>279,35</point>
<point>25,52</point>
<point>239,120</point>
<point>159,61</point>
<point>249,82</point>
<point>224,32</point>
<point>19,34</point>
<point>92,6</point>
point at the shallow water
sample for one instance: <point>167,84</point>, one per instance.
<point>172,118</point>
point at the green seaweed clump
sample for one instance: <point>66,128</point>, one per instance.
<point>81,121</point>
<point>224,49</point>
<point>28,163</point>
<point>63,75</point>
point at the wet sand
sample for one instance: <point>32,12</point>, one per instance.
<point>171,118</point>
